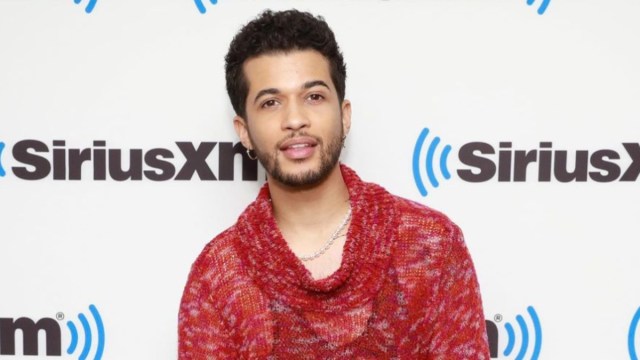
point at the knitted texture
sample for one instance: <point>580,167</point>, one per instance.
<point>406,289</point>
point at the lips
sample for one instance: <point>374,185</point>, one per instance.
<point>298,148</point>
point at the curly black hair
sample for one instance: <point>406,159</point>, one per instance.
<point>283,31</point>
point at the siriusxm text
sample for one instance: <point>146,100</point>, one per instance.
<point>37,160</point>
<point>29,330</point>
<point>605,165</point>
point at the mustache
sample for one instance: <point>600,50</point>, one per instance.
<point>298,134</point>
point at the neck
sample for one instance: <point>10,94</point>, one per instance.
<point>312,207</point>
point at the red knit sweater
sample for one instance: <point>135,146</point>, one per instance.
<point>406,289</point>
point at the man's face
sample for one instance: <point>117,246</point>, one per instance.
<point>295,122</point>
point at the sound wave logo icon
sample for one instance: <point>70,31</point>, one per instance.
<point>88,336</point>
<point>429,161</point>
<point>525,336</point>
<point>633,328</point>
<point>90,5</point>
<point>2,172</point>
<point>200,5</point>
<point>543,6</point>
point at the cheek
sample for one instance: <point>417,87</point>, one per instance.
<point>337,124</point>
<point>262,137</point>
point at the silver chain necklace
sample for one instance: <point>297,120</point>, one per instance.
<point>331,240</point>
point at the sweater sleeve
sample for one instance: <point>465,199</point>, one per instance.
<point>459,330</point>
<point>202,333</point>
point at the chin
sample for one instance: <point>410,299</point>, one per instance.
<point>302,178</point>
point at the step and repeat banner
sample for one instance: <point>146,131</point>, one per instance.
<point>520,119</point>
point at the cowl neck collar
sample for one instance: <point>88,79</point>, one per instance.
<point>365,260</point>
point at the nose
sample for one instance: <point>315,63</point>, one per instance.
<point>295,117</point>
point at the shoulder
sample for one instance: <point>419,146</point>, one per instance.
<point>222,245</point>
<point>418,220</point>
<point>218,262</point>
<point>425,235</point>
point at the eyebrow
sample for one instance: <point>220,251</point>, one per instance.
<point>310,84</point>
<point>263,92</point>
<point>274,91</point>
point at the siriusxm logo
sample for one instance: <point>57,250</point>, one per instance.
<point>90,5</point>
<point>525,343</point>
<point>36,160</point>
<point>633,340</point>
<point>429,163</point>
<point>202,9</point>
<point>200,5</point>
<point>543,5</point>
<point>482,162</point>
<point>52,335</point>
<point>86,348</point>
<point>2,172</point>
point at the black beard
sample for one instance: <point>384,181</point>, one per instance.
<point>328,160</point>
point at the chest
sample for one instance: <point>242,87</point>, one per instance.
<point>384,328</point>
<point>328,262</point>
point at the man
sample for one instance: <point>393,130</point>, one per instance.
<point>321,265</point>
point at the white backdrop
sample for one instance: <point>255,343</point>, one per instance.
<point>147,74</point>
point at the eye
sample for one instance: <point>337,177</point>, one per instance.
<point>315,98</point>
<point>269,103</point>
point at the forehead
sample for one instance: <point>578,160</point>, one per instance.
<point>286,70</point>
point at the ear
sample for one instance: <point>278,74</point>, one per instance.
<point>240,125</point>
<point>346,116</point>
